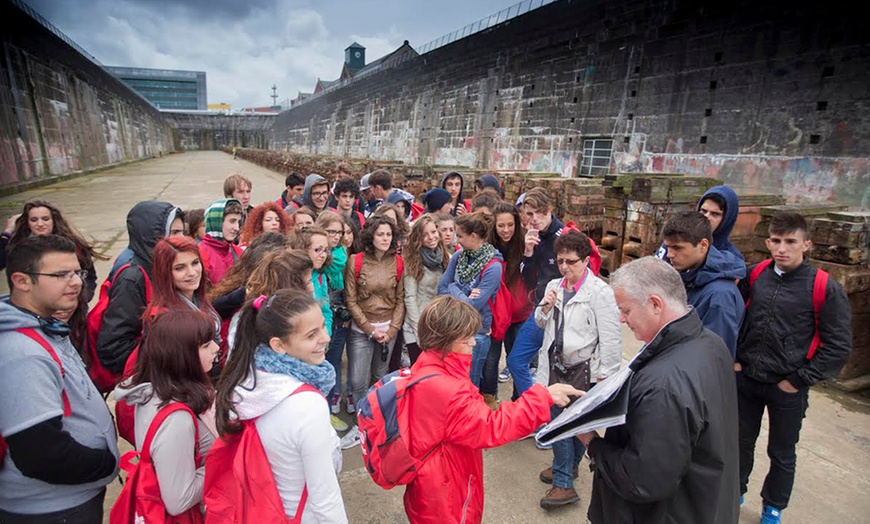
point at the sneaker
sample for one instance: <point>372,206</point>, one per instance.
<point>351,439</point>
<point>405,361</point>
<point>351,405</point>
<point>557,497</point>
<point>770,515</point>
<point>741,501</point>
<point>335,405</point>
<point>337,424</point>
<point>505,375</point>
<point>546,476</point>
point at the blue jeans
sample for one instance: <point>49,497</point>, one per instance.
<point>490,368</point>
<point>566,456</point>
<point>478,357</point>
<point>526,346</point>
<point>333,356</point>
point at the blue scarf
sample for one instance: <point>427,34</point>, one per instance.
<point>322,376</point>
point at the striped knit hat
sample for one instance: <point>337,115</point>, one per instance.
<point>214,217</point>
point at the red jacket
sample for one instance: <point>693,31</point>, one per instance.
<point>448,415</point>
<point>218,256</point>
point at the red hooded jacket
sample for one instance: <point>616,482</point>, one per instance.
<point>449,418</point>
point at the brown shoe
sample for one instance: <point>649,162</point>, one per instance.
<point>546,476</point>
<point>556,497</point>
<point>491,401</point>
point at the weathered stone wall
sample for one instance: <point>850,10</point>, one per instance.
<point>194,131</point>
<point>765,96</point>
<point>60,112</point>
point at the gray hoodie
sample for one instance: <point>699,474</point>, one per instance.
<point>172,450</point>
<point>31,389</point>
<point>311,181</point>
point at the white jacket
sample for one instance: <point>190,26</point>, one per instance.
<point>300,444</point>
<point>591,329</point>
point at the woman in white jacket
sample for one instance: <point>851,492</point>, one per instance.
<point>581,324</point>
<point>425,262</point>
<point>281,345</point>
<point>172,366</point>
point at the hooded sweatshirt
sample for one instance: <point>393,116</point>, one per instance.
<point>119,334</point>
<point>459,201</point>
<point>490,180</point>
<point>82,448</point>
<point>712,291</point>
<point>729,218</point>
<point>311,181</point>
<point>400,195</point>
<point>304,452</point>
<point>172,450</point>
<point>218,254</point>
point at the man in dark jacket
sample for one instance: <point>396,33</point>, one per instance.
<point>776,363</point>
<point>675,458</point>
<point>721,206</point>
<point>710,275</point>
<point>119,334</point>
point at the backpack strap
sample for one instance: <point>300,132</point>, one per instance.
<point>357,264</point>
<point>754,274</point>
<point>144,275</point>
<point>400,267</point>
<point>165,411</point>
<point>820,284</point>
<point>39,339</point>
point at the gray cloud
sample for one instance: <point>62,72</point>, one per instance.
<point>246,46</point>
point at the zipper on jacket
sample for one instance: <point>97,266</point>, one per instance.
<point>769,319</point>
<point>467,501</point>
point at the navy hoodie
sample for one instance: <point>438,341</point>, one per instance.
<point>729,218</point>
<point>713,292</point>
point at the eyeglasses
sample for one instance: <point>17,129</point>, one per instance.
<point>565,261</point>
<point>64,275</point>
<point>334,232</point>
<point>320,250</point>
<point>319,194</point>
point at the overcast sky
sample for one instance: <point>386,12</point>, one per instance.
<point>245,46</point>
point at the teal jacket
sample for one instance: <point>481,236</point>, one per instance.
<point>321,293</point>
<point>335,272</point>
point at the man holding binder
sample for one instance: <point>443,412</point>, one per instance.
<point>676,457</point>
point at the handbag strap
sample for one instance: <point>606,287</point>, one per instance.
<point>559,338</point>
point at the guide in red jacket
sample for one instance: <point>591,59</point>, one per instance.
<point>449,422</point>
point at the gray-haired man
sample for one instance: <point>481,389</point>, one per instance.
<point>675,458</point>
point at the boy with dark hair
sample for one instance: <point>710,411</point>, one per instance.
<point>454,184</point>
<point>797,332</point>
<point>485,200</point>
<point>708,274</point>
<point>294,184</point>
<point>62,447</point>
<point>315,195</point>
<point>381,183</point>
<point>217,248</point>
<point>721,206</point>
<point>345,192</point>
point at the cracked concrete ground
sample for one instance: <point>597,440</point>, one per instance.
<point>833,473</point>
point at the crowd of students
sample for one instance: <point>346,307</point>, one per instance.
<point>234,320</point>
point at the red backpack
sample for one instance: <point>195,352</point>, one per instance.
<point>104,379</point>
<point>382,418</point>
<point>239,484</point>
<point>139,500</point>
<point>502,306</point>
<point>67,409</point>
<point>820,284</point>
<point>358,260</point>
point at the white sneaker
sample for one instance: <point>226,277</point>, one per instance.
<point>335,404</point>
<point>351,439</point>
<point>351,404</point>
<point>504,376</point>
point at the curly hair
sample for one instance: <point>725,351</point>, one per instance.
<point>414,248</point>
<point>254,223</point>
<point>367,236</point>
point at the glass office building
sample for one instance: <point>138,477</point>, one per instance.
<point>165,88</point>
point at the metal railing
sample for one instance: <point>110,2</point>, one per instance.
<point>57,32</point>
<point>483,24</point>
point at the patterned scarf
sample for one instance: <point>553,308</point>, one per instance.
<point>471,263</point>
<point>214,217</point>
<point>321,376</point>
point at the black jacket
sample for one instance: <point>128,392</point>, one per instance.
<point>779,326</point>
<point>121,330</point>
<point>676,457</point>
<point>540,268</point>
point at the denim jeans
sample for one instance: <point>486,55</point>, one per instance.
<point>786,413</point>
<point>526,346</point>
<point>334,354</point>
<point>478,357</point>
<point>566,456</point>
<point>365,364</point>
<point>490,368</point>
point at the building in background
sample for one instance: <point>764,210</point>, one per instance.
<point>166,88</point>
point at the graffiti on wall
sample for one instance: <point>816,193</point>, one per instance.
<point>798,179</point>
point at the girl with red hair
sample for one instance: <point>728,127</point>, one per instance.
<point>265,218</point>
